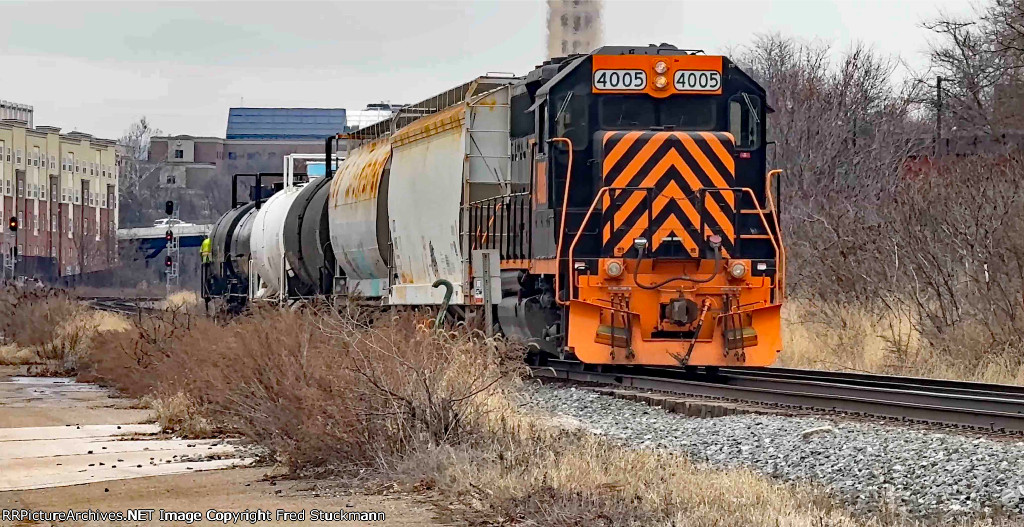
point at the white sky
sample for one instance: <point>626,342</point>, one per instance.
<point>97,67</point>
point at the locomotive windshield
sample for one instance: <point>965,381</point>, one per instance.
<point>639,112</point>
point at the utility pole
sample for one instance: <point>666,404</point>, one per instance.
<point>938,115</point>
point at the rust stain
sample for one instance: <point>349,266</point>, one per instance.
<point>358,177</point>
<point>431,125</point>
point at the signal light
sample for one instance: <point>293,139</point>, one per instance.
<point>660,82</point>
<point>169,207</point>
<point>168,262</point>
<point>660,67</point>
<point>169,235</point>
<point>13,224</point>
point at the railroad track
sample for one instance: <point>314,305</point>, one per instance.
<point>977,406</point>
<point>127,306</point>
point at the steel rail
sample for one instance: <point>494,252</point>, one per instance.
<point>993,413</point>
<point>944,385</point>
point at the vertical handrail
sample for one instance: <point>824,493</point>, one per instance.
<point>778,230</point>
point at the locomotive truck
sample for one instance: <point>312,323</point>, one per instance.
<point>615,207</point>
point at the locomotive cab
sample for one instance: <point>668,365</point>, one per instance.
<point>654,235</point>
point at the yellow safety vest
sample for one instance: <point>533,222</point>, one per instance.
<point>205,250</point>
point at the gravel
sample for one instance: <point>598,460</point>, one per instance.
<point>925,474</point>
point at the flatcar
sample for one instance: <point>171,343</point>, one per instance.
<point>615,207</point>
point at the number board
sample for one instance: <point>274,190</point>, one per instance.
<point>696,74</point>
<point>620,80</point>
<point>697,80</point>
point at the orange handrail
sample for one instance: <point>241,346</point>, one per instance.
<point>780,255</point>
<point>561,230</point>
<point>778,229</point>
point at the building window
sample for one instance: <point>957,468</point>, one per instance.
<point>21,188</point>
<point>231,155</point>
<point>53,162</point>
<point>171,178</point>
<point>179,154</point>
<point>17,158</point>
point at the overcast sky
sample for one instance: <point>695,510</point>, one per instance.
<point>97,67</point>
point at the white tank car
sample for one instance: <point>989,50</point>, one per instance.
<point>266,242</point>
<point>395,206</point>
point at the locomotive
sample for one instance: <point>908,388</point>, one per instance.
<point>612,207</point>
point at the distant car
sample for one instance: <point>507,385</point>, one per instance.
<point>170,222</point>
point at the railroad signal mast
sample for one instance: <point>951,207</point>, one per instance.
<point>171,262</point>
<point>10,249</point>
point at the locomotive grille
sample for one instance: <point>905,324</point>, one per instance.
<point>679,167</point>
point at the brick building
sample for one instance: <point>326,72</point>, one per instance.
<point>62,188</point>
<point>256,141</point>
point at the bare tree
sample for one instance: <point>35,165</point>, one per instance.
<point>135,199</point>
<point>842,131</point>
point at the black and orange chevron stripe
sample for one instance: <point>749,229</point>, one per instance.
<point>676,166</point>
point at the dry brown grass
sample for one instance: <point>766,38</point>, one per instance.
<point>857,337</point>
<point>529,472</point>
<point>389,401</point>
<point>180,414</point>
<point>187,300</point>
<point>48,329</point>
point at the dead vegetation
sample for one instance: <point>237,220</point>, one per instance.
<point>391,403</point>
<point>47,330</point>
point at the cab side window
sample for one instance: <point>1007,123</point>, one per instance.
<point>571,118</point>
<point>745,121</point>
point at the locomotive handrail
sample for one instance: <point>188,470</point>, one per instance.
<point>776,244</point>
<point>778,229</point>
<point>586,218</point>
<point>565,206</point>
<point>500,217</point>
<point>703,190</point>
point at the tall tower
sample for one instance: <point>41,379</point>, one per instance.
<point>574,26</point>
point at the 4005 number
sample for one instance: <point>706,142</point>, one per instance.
<point>692,80</point>
<point>630,80</point>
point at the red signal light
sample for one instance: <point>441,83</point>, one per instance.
<point>168,235</point>
<point>168,262</point>
<point>13,224</point>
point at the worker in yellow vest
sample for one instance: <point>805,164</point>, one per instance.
<point>206,255</point>
<point>206,250</point>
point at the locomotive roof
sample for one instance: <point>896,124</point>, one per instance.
<point>574,61</point>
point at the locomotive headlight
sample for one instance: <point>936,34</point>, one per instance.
<point>660,67</point>
<point>660,82</point>
<point>613,268</point>
<point>738,269</point>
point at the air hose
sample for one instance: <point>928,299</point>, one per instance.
<point>439,321</point>
<point>715,243</point>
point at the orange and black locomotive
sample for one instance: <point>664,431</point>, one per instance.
<point>652,229</point>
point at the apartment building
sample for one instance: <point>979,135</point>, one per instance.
<point>17,111</point>
<point>62,188</point>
